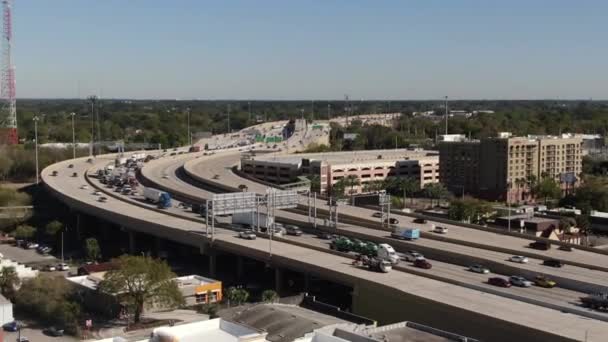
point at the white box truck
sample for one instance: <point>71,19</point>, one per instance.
<point>251,219</point>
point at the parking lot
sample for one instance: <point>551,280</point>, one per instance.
<point>26,256</point>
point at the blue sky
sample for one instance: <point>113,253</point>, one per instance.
<point>316,49</point>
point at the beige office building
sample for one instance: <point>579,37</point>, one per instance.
<point>505,167</point>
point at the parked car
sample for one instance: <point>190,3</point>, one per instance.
<point>422,263</point>
<point>11,326</point>
<point>520,281</point>
<point>565,248</point>
<point>52,331</point>
<point>63,267</point>
<point>420,220</point>
<point>377,214</point>
<point>498,281</point>
<point>478,269</point>
<point>440,230</point>
<point>543,281</point>
<point>247,234</point>
<point>519,259</point>
<point>553,263</point>
<point>391,220</point>
<point>412,256</point>
<point>293,230</point>
<point>541,245</point>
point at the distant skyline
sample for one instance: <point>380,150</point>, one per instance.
<point>283,50</point>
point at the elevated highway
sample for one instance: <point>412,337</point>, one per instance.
<point>389,297</point>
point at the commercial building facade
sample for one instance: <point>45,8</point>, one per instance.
<point>365,166</point>
<point>506,167</point>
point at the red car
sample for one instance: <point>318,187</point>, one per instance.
<point>422,263</point>
<point>497,281</point>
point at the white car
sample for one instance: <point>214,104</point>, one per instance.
<point>84,187</point>
<point>519,281</point>
<point>63,267</point>
<point>519,259</point>
<point>440,230</point>
<point>247,235</point>
<point>478,269</point>
<point>97,193</point>
<point>412,256</point>
<point>165,177</point>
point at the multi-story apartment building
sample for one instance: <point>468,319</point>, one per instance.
<point>366,166</point>
<point>505,167</point>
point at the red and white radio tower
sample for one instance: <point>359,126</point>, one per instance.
<point>8,116</point>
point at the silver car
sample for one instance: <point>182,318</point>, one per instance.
<point>247,234</point>
<point>519,281</point>
<point>479,269</point>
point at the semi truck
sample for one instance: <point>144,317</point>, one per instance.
<point>406,234</point>
<point>161,198</point>
<point>251,219</point>
<point>598,301</point>
<point>373,263</point>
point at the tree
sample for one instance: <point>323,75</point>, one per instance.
<point>547,188</point>
<point>408,185</point>
<point>337,189</point>
<point>53,227</point>
<point>351,181</point>
<point>373,186</point>
<point>9,280</point>
<point>566,222</point>
<point>236,295</point>
<point>270,296</point>
<point>469,209</point>
<point>92,249</point>
<point>140,281</point>
<point>315,183</point>
<point>24,232</point>
<point>435,191</point>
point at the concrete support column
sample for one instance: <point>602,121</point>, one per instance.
<point>132,245</point>
<point>355,299</point>
<point>212,264</point>
<point>239,267</point>
<point>306,282</point>
<point>158,246</point>
<point>278,280</point>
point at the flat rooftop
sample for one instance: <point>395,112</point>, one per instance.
<point>284,323</point>
<point>194,280</point>
<point>337,158</point>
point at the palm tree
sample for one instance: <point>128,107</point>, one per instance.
<point>435,190</point>
<point>9,280</point>
<point>337,189</point>
<point>315,183</point>
<point>407,185</point>
<point>351,181</point>
<point>373,186</point>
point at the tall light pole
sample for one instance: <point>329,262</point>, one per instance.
<point>228,118</point>
<point>36,141</point>
<point>249,109</point>
<point>73,136</point>
<point>446,115</point>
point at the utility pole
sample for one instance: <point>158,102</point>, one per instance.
<point>36,141</point>
<point>73,136</point>
<point>446,115</point>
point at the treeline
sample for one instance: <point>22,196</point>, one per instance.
<point>18,163</point>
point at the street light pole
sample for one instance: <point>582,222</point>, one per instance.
<point>73,136</point>
<point>36,141</point>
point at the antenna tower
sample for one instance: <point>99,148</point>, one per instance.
<point>8,110</point>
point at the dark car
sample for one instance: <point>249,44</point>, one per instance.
<point>71,166</point>
<point>419,220</point>
<point>11,326</point>
<point>75,174</point>
<point>497,281</point>
<point>52,331</point>
<point>377,214</point>
<point>565,248</point>
<point>422,263</point>
<point>391,220</point>
<point>293,230</point>
<point>324,236</point>
<point>553,263</point>
<point>541,245</point>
